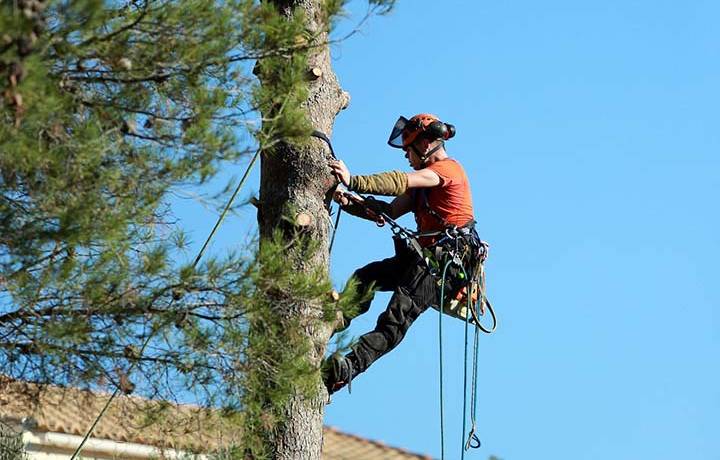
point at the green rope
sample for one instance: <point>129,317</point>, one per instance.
<point>107,404</point>
<point>92,427</point>
<point>472,437</point>
<point>227,207</point>
<point>473,392</point>
<point>467,323</point>
<point>476,348</point>
<point>442,409</point>
<point>147,341</point>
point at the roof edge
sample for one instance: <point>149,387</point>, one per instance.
<point>70,442</point>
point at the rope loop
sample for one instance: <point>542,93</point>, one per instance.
<point>473,441</point>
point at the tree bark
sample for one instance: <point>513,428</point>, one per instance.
<point>297,178</point>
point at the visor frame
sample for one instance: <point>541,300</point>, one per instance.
<point>396,135</point>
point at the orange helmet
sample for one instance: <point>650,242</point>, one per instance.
<point>405,131</point>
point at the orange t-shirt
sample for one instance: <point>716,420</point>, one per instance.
<point>451,200</point>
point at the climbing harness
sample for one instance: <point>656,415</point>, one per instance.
<point>448,243</point>
<point>451,249</point>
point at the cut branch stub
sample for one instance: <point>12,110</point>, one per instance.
<point>303,219</point>
<point>315,73</point>
<point>345,100</point>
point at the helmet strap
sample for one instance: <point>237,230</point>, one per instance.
<point>427,155</point>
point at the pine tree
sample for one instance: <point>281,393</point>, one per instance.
<point>106,109</point>
<point>294,196</point>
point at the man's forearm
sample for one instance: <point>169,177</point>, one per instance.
<point>392,183</point>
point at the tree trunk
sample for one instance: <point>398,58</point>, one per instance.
<point>297,178</point>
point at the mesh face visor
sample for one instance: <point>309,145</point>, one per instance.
<point>396,135</point>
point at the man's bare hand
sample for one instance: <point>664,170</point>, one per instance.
<point>341,171</point>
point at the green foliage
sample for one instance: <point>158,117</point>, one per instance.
<point>278,365</point>
<point>281,101</point>
<point>106,109</point>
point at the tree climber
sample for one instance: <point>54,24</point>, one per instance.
<point>438,193</point>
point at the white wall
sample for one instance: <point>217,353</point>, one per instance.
<point>59,446</point>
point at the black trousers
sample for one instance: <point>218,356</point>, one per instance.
<point>414,290</point>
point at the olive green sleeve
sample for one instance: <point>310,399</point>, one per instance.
<point>392,183</point>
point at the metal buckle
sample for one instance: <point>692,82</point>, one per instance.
<point>452,232</point>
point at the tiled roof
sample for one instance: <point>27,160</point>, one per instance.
<point>128,419</point>
<point>142,421</point>
<point>343,446</point>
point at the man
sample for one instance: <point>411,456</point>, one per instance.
<point>438,193</point>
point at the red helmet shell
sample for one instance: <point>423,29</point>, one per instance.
<point>415,126</point>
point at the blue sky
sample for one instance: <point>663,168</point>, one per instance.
<point>590,133</point>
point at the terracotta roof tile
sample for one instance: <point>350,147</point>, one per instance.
<point>130,419</point>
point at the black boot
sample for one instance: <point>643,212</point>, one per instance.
<point>339,371</point>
